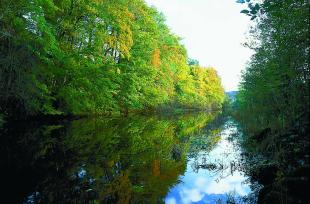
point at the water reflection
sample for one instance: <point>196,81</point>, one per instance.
<point>213,175</point>
<point>115,160</point>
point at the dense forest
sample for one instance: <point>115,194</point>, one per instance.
<point>96,57</point>
<point>107,59</point>
<point>273,100</point>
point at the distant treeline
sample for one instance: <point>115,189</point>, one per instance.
<point>273,100</point>
<point>93,57</point>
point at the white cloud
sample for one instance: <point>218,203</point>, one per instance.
<point>201,182</point>
<point>231,183</point>
<point>191,195</point>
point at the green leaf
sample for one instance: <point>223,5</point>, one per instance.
<point>245,11</point>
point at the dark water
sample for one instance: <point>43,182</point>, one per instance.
<point>139,159</point>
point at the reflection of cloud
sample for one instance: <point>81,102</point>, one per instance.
<point>191,195</point>
<point>201,182</point>
<point>170,201</point>
<point>231,183</point>
<point>196,187</point>
<point>201,187</point>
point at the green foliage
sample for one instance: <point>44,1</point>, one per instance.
<point>134,159</point>
<point>274,99</point>
<point>274,91</point>
<point>83,57</point>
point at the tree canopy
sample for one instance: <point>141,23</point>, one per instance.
<point>274,91</point>
<point>81,57</point>
<point>273,100</point>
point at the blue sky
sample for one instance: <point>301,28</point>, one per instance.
<point>213,32</point>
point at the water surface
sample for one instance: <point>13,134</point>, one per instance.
<point>140,159</point>
<point>213,175</point>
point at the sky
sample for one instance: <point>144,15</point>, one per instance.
<point>212,31</point>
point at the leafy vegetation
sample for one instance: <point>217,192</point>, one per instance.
<point>78,57</point>
<point>88,57</point>
<point>273,100</point>
<point>133,159</point>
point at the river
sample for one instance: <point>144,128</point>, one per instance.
<point>190,158</point>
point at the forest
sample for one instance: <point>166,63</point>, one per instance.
<point>134,119</point>
<point>79,57</point>
<point>272,105</point>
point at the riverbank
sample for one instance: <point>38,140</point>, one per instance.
<point>163,110</point>
<point>279,163</point>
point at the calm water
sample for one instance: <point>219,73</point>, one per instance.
<point>213,176</point>
<point>139,159</point>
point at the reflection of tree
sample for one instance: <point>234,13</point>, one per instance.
<point>225,162</point>
<point>208,138</point>
<point>131,160</point>
<point>219,168</point>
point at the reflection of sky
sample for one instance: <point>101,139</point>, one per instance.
<point>206,186</point>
